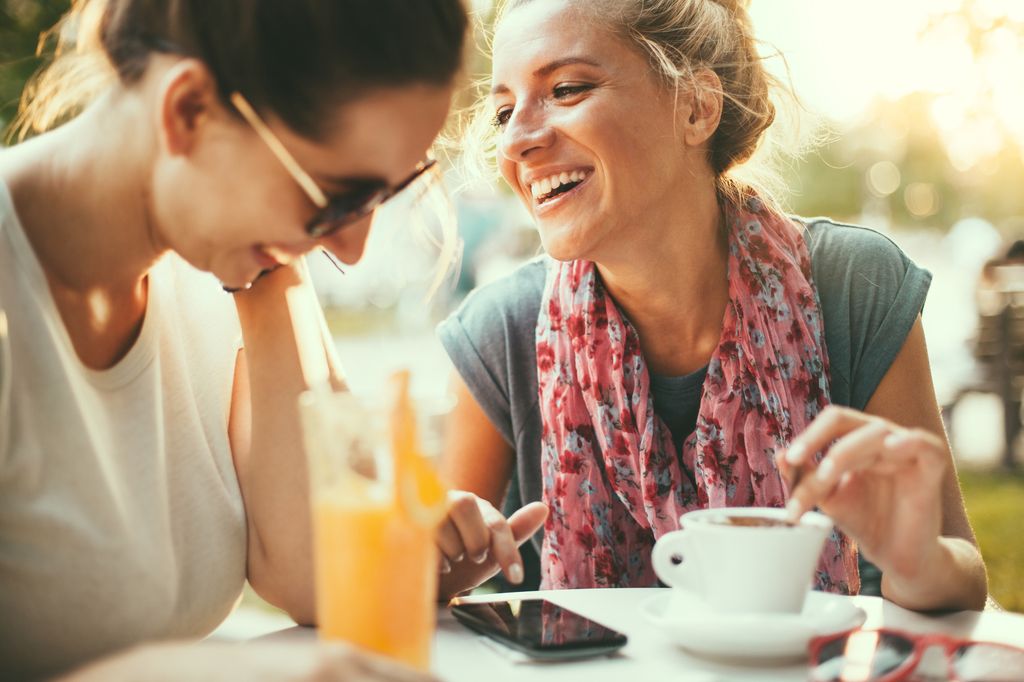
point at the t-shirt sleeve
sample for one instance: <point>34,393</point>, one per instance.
<point>871,295</point>
<point>490,340</point>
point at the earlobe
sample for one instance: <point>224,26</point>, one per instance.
<point>187,97</point>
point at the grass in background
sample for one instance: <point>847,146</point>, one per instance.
<point>995,505</point>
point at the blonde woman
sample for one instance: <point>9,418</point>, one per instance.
<point>149,443</point>
<point>684,344</point>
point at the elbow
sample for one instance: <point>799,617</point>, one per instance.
<point>289,588</point>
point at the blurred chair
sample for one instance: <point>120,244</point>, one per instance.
<point>998,345</point>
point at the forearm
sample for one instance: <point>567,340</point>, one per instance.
<point>952,577</point>
<point>155,661</point>
<point>274,480</point>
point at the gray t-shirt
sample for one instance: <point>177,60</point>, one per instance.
<point>871,294</point>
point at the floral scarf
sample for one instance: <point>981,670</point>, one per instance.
<point>612,477</point>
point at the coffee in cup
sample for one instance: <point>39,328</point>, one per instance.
<point>743,559</point>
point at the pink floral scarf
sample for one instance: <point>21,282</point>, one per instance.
<point>612,477</point>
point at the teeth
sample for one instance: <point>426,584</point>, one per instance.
<point>539,188</point>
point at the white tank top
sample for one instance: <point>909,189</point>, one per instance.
<point>121,518</point>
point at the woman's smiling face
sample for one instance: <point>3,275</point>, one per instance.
<point>587,130</point>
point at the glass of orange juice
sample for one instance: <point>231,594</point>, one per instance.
<point>377,503</point>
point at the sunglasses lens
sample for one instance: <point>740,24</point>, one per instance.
<point>982,662</point>
<point>343,210</point>
<point>862,655</point>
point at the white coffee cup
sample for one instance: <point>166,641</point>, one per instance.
<point>743,568</point>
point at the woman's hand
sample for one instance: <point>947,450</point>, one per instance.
<point>476,540</point>
<point>879,482</point>
<point>258,662</point>
<point>882,485</point>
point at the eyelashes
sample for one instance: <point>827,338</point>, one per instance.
<point>501,118</point>
<point>560,93</point>
<point>567,90</point>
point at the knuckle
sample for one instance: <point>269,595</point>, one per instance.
<point>831,413</point>
<point>463,505</point>
<point>494,519</point>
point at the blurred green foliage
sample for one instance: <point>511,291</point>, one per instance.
<point>21,23</point>
<point>833,181</point>
<point>973,167</point>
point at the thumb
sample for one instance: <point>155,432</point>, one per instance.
<point>527,521</point>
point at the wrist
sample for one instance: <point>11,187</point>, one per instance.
<point>945,577</point>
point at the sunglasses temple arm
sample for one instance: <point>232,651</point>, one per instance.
<point>333,260</point>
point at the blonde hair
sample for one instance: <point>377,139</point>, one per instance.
<point>80,71</point>
<point>761,116</point>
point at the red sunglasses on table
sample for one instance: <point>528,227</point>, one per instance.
<point>885,655</point>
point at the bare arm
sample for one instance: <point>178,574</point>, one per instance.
<point>958,577</point>
<point>476,456</point>
<point>477,540</point>
<point>890,482</point>
<point>255,662</point>
<point>267,447</point>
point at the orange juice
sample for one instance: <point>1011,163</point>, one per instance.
<point>376,577</point>
<point>375,555</point>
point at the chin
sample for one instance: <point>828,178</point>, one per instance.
<point>561,254</point>
<point>230,275</point>
<point>563,244</point>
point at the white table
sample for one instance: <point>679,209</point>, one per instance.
<point>461,655</point>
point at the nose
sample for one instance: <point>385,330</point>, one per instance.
<point>526,132</point>
<point>349,242</point>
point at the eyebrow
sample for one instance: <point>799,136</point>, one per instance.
<point>547,69</point>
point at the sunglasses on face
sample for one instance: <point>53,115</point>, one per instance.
<point>893,656</point>
<point>339,210</point>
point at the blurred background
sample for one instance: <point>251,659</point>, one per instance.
<point>922,106</point>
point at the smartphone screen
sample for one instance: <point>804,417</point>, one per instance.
<point>539,628</point>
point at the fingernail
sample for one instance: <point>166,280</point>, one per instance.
<point>480,559</point>
<point>459,558</point>
<point>795,454</point>
<point>515,574</point>
<point>793,509</point>
<point>825,470</point>
<point>446,566</point>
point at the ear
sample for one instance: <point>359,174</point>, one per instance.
<point>703,110</point>
<point>188,99</point>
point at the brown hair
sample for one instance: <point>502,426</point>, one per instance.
<point>683,38</point>
<point>295,58</point>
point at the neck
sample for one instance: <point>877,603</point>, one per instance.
<point>672,285</point>
<point>81,193</point>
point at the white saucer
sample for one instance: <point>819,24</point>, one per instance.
<point>755,637</point>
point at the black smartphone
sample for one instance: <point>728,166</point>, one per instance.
<point>539,628</point>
